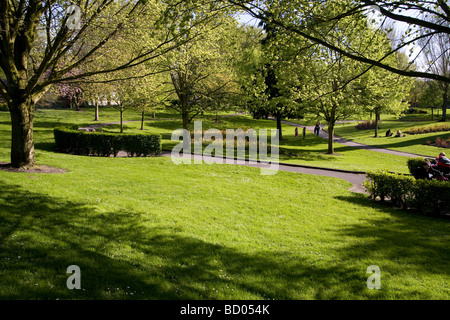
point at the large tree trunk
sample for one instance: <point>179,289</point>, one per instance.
<point>185,112</point>
<point>185,116</point>
<point>22,143</point>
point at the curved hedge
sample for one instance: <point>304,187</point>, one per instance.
<point>407,192</point>
<point>71,140</point>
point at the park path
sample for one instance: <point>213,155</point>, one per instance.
<point>354,177</point>
<point>324,134</point>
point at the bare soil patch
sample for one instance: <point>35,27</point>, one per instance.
<point>4,166</point>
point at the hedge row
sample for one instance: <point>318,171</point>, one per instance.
<point>366,125</point>
<point>436,128</point>
<point>414,163</point>
<point>69,139</point>
<point>430,196</point>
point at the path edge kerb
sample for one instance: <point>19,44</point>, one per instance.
<point>167,153</point>
<point>99,125</point>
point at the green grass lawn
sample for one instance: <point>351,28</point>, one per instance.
<point>411,143</point>
<point>144,228</point>
<point>311,151</point>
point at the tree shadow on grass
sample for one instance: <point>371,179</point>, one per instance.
<point>128,255</point>
<point>410,243</point>
<point>394,142</point>
<point>45,146</point>
<point>38,125</point>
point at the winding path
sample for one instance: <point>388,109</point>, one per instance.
<point>354,177</point>
<point>324,134</point>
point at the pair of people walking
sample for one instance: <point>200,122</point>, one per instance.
<point>296,132</point>
<point>316,130</point>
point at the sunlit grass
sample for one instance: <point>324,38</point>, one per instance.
<point>411,143</point>
<point>145,228</point>
<point>311,151</point>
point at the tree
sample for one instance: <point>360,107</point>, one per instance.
<point>273,93</point>
<point>96,93</point>
<point>249,64</point>
<point>329,92</point>
<point>332,86</point>
<point>72,94</point>
<point>309,19</point>
<point>431,96</point>
<point>201,70</point>
<point>261,77</point>
<point>384,92</point>
<point>137,93</point>
<point>437,59</point>
<point>41,46</point>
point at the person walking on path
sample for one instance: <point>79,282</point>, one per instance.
<point>296,132</point>
<point>317,128</point>
<point>304,132</point>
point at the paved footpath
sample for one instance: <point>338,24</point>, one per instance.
<point>324,134</point>
<point>354,177</point>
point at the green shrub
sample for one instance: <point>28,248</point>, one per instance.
<point>69,139</point>
<point>406,192</point>
<point>3,107</point>
<point>429,129</point>
<point>367,125</point>
<point>414,163</point>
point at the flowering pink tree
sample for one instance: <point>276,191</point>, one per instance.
<point>73,95</point>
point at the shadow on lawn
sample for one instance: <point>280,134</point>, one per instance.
<point>42,124</point>
<point>411,242</point>
<point>122,252</point>
<point>394,142</point>
<point>118,254</point>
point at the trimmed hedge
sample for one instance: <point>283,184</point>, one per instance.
<point>435,128</point>
<point>414,163</point>
<point>69,139</point>
<point>406,192</point>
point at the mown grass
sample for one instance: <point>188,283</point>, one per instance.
<point>311,151</point>
<point>144,228</point>
<point>411,143</point>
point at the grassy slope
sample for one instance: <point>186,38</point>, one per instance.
<point>145,228</point>
<point>411,143</point>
